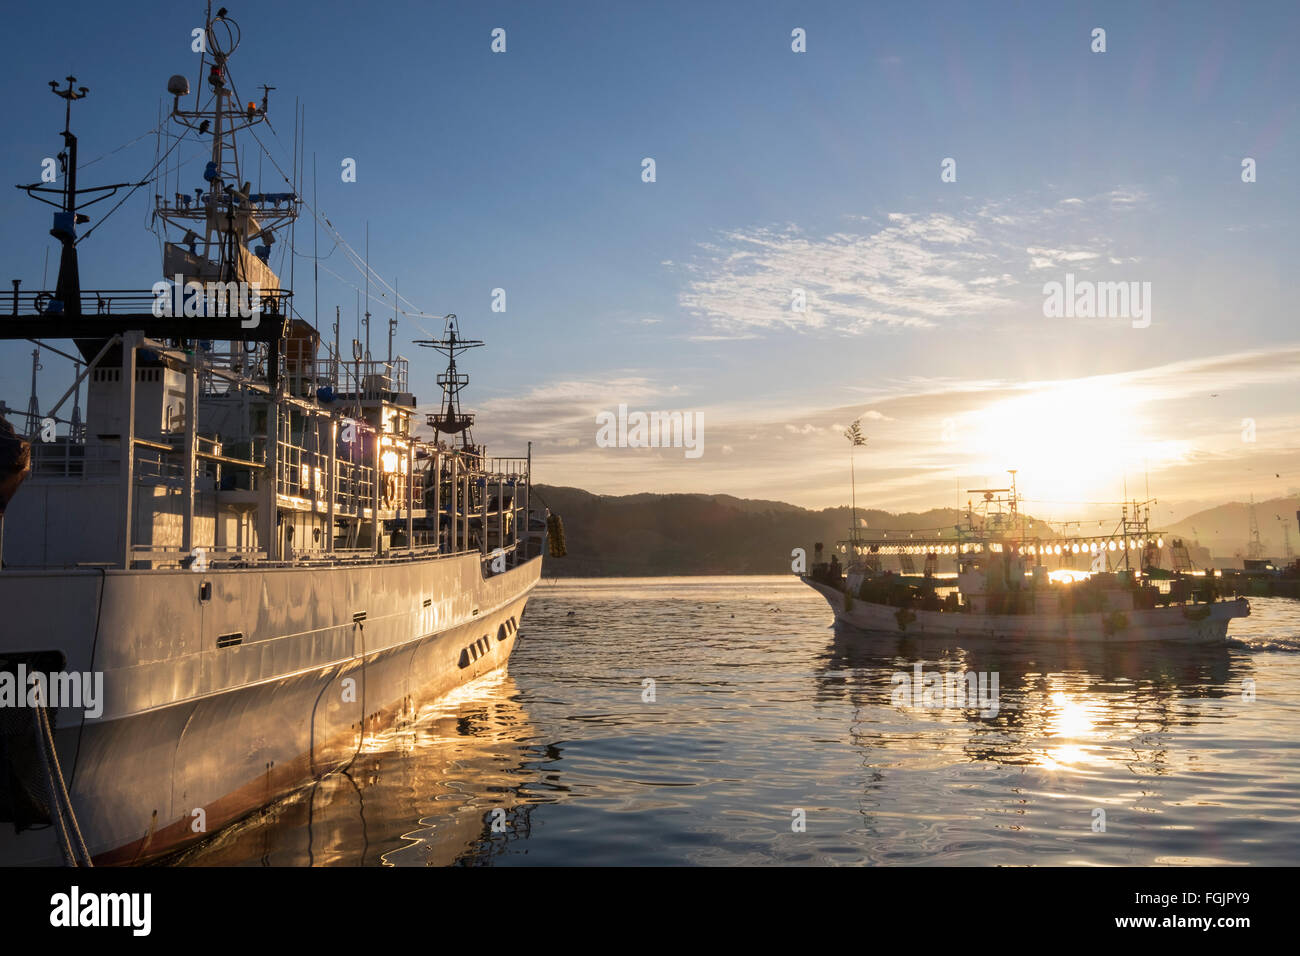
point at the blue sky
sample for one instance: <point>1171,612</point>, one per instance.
<point>775,170</point>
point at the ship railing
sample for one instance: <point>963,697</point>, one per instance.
<point>354,487</point>
<point>122,302</point>
<point>151,462</point>
<point>246,362</point>
<point>507,468</point>
<point>72,459</point>
<point>369,379</point>
<point>227,557</point>
<point>153,458</point>
<point>303,474</point>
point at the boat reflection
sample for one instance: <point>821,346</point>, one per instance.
<point>1071,709</point>
<point>456,772</point>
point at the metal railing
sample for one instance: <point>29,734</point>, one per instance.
<point>123,302</point>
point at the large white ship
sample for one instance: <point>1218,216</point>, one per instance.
<point>242,559</point>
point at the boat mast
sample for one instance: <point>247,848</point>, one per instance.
<point>450,419</point>
<point>67,296</point>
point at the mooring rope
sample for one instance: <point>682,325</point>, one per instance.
<point>71,842</point>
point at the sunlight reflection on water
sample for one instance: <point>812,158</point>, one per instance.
<point>760,709</point>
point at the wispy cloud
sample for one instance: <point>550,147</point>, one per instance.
<point>913,271</point>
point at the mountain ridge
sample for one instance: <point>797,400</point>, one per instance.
<point>648,534</point>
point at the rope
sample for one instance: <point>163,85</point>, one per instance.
<point>75,853</point>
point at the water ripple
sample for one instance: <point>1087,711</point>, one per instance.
<point>723,721</point>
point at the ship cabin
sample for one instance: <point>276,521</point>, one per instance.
<point>264,452</point>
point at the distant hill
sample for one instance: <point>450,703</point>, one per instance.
<point>649,534</point>
<point>1225,529</point>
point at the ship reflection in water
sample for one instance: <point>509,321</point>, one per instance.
<point>441,791</point>
<point>1138,755</point>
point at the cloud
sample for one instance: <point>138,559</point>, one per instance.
<point>921,271</point>
<point>1094,429</point>
<point>915,272</point>
<point>1053,258</point>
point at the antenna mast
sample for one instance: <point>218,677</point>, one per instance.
<point>450,419</point>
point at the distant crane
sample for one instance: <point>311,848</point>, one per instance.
<point>1254,549</point>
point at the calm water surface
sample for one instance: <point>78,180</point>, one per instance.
<point>761,709</point>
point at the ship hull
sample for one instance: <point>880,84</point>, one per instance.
<point>198,730</point>
<point>1191,624</point>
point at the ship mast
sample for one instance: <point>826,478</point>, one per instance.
<point>67,295</point>
<point>450,419</point>
<point>225,214</point>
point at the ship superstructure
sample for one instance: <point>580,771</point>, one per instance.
<point>247,540</point>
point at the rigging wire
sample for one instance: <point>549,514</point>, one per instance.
<point>358,261</point>
<point>151,132</point>
<point>149,177</point>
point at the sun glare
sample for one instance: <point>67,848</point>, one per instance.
<point>1072,442</point>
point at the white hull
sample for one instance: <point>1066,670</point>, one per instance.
<point>326,655</point>
<point>1192,624</point>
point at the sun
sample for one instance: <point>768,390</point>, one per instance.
<point>1072,442</point>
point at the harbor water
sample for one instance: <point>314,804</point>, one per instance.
<point>724,721</point>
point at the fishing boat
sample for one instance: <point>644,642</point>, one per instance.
<point>1010,585</point>
<point>248,554</point>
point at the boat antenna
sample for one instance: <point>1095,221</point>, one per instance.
<point>67,297</point>
<point>367,290</point>
<point>450,419</point>
<point>33,404</point>
<point>315,260</point>
<point>392,323</point>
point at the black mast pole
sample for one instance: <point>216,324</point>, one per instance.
<point>68,291</point>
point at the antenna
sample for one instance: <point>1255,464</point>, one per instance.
<point>75,435</point>
<point>450,419</point>
<point>392,323</point>
<point>315,249</point>
<point>33,406</point>
<point>67,297</point>
<point>367,290</point>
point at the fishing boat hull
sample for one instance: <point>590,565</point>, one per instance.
<point>1188,624</point>
<point>223,690</point>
